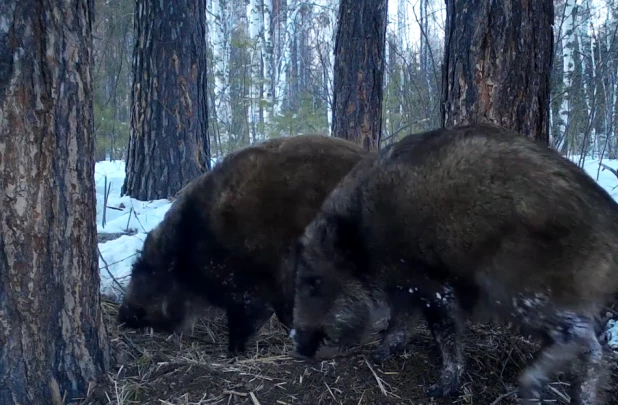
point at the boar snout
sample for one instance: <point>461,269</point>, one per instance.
<point>133,317</point>
<point>306,341</point>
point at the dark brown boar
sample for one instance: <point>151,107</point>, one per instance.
<point>228,238</point>
<point>449,222</point>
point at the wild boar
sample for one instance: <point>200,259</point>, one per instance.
<point>228,238</point>
<point>452,221</point>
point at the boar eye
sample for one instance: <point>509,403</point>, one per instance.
<point>313,284</point>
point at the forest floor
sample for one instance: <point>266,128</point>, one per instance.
<point>153,368</point>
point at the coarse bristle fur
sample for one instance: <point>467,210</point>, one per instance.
<point>456,220</point>
<point>228,237</point>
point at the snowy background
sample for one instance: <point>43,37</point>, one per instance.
<point>128,215</point>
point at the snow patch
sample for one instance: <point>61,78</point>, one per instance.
<point>611,333</point>
<point>115,266</point>
<point>121,214</point>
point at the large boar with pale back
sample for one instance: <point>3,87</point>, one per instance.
<point>454,221</point>
<point>228,238</point>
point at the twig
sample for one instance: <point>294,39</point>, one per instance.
<point>254,399</point>
<point>122,260</point>
<point>105,195</point>
<point>109,272</point>
<point>361,397</point>
<point>135,214</point>
<point>614,171</point>
<point>235,393</point>
<point>139,221</point>
<point>503,396</point>
<point>129,220</point>
<point>264,359</point>
<point>330,391</point>
<point>566,398</point>
<point>378,379</point>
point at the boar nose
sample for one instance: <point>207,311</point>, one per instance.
<point>131,316</point>
<point>306,341</point>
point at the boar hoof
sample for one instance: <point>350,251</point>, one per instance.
<point>439,390</point>
<point>392,344</point>
<point>381,354</point>
<point>235,347</point>
<point>448,386</point>
<point>529,390</point>
<point>300,356</point>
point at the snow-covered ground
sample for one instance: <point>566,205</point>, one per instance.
<point>126,214</point>
<point>122,215</point>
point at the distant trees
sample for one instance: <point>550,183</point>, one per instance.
<point>112,54</point>
<point>497,64</point>
<point>585,78</point>
<point>359,71</point>
<point>52,338</point>
<point>169,143</point>
<point>270,67</point>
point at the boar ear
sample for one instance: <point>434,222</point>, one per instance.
<point>298,248</point>
<point>344,235</point>
<point>149,248</point>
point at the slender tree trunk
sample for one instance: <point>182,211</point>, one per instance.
<point>497,64</point>
<point>169,144</point>
<point>359,71</point>
<point>53,342</point>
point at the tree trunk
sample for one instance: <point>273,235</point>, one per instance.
<point>169,144</point>
<point>497,64</point>
<point>359,71</point>
<point>53,342</point>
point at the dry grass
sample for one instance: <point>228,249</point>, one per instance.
<point>158,369</point>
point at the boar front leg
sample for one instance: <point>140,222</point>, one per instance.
<point>243,320</point>
<point>402,305</point>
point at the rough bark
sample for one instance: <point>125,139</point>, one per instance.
<point>53,343</point>
<point>497,64</point>
<point>168,146</point>
<point>359,71</point>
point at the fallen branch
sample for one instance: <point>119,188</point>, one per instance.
<point>503,396</point>
<point>614,171</point>
<point>109,272</point>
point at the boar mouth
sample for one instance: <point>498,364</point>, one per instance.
<point>132,317</point>
<point>307,342</point>
<point>136,317</point>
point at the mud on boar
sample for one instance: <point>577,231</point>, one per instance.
<point>228,238</point>
<point>453,221</point>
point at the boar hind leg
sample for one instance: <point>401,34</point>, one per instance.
<point>441,315</point>
<point>570,337</point>
<point>586,375</point>
<point>243,320</point>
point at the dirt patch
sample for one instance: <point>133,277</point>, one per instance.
<point>106,237</point>
<point>160,369</point>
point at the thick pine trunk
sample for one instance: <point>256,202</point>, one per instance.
<point>497,64</point>
<point>359,71</point>
<point>52,338</point>
<point>169,144</point>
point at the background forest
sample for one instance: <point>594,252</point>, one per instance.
<point>270,72</point>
